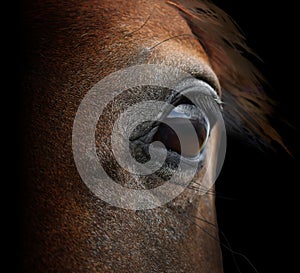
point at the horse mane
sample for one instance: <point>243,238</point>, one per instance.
<point>247,108</point>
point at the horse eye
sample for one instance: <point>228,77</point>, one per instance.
<point>180,118</point>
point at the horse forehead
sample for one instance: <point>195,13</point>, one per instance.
<point>156,15</point>
<point>153,31</point>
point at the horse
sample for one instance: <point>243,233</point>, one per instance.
<point>72,45</point>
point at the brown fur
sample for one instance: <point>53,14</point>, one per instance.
<point>74,45</point>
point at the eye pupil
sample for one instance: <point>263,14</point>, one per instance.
<point>170,139</point>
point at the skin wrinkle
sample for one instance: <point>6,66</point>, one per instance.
<point>67,229</point>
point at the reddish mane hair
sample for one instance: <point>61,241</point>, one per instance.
<point>246,106</point>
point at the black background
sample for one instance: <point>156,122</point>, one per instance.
<point>259,217</point>
<point>259,212</point>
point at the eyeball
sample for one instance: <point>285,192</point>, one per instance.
<point>180,119</point>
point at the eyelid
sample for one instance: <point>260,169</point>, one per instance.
<point>212,81</point>
<point>203,72</point>
<point>211,101</point>
<point>198,87</point>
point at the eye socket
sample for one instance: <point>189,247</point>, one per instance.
<point>180,118</point>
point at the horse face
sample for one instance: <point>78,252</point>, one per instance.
<point>69,227</point>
